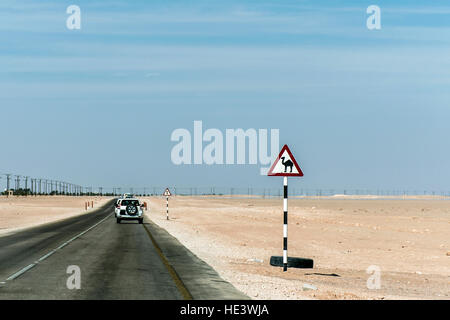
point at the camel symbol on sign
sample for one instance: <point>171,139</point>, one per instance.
<point>286,164</point>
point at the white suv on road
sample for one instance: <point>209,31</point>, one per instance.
<point>128,209</point>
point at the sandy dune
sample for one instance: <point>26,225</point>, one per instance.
<point>408,239</point>
<point>22,212</point>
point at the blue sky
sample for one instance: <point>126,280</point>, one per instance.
<point>96,106</point>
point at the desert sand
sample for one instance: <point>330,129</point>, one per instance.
<point>17,213</point>
<point>409,240</point>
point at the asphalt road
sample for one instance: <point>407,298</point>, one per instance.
<point>116,261</point>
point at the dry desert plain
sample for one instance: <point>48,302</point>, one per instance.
<point>18,213</point>
<point>409,240</point>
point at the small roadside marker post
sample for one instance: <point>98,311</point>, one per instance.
<point>286,166</point>
<point>167,194</point>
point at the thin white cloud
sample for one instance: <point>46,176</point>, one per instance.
<point>152,74</point>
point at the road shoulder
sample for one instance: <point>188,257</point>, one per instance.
<point>201,280</point>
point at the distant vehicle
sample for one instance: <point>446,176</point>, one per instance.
<point>128,209</point>
<point>127,196</point>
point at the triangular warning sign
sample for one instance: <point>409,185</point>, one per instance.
<point>167,193</point>
<point>285,165</point>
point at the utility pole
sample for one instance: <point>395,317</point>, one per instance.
<point>26,186</point>
<point>8,179</point>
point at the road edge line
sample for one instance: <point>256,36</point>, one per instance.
<point>175,277</point>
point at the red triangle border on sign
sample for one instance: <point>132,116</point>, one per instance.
<point>300,172</point>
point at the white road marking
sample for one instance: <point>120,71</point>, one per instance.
<point>23,270</point>
<point>20,272</point>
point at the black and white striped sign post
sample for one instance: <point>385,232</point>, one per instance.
<point>285,223</point>
<point>167,194</point>
<point>167,208</point>
<point>286,166</point>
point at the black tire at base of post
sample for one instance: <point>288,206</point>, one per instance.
<point>302,263</point>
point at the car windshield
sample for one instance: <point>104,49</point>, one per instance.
<point>128,202</point>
